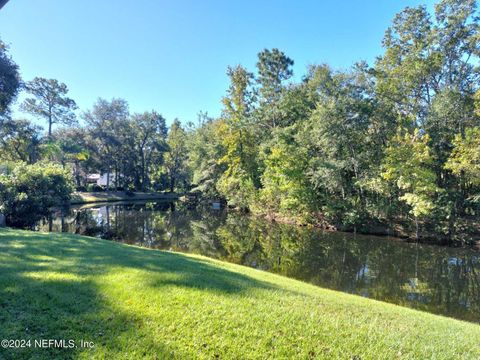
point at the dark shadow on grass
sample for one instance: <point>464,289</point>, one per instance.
<point>95,257</point>
<point>32,307</point>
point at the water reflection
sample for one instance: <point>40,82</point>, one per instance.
<point>435,279</point>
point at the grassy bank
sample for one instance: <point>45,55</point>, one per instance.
<point>93,197</point>
<point>140,303</point>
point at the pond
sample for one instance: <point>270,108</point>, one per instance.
<point>436,279</point>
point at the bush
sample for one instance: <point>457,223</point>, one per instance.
<point>27,192</point>
<point>81,189</point>
<point>95,188</point>
<point>130,191</point>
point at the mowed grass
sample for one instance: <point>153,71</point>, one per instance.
<point>136,303</point>
<point>112,196</point>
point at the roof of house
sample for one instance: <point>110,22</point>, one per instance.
<point>93,177</point>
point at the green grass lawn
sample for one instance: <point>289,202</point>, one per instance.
<point>136,303</point>
<point>94,197</point>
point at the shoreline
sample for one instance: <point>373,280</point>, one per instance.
<point>396,231</point>
<point>79,198</point>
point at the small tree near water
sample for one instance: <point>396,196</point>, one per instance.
<point>407,166</point>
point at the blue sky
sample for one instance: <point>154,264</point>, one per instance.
<point>171,56</point>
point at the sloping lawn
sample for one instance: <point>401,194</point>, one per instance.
<point>136,303</point>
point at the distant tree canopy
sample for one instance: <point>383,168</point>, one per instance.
<point>49,102</point>
<point>392,143</point>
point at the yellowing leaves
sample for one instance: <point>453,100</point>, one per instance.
<point>465,157</point>
<point>408,165</point>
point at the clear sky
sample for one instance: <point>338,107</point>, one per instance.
<point>171,56</point>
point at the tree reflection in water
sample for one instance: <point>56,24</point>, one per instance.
<point>436,279</point>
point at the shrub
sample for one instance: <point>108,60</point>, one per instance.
<point>95,188</point>
<point>130,191</point>
<point>27,192</point>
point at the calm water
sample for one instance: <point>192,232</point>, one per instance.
<point>431,278</point>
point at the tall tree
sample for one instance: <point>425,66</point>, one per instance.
<point>105,122</point>
<point>241,176</point>
<point>205,148</point>
<point>343,136</point>
<point>176,157</point>
<point>426,56</point>
<point>428,76</point>
<point>274,67</point>
<point>50,102</point>
<point>238,138</point>
<point>150,133</point>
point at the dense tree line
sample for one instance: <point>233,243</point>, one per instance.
<point>390,146</point>
<point>136,151</point>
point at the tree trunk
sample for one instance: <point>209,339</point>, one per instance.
<point>108,180</point>
<point>124,178</point>
<point>416,228</point>
<point>64,227</point>
<point>116,176</point>
<point>50,122</point>
<point>77,174</point>
<point>143,171</point>
<point>172,183</point>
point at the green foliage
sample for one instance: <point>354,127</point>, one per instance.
<point>476,99</point>
<point>274,67</point>
<point>130,146</point>
<point>285,186</point>
<point>238,188</point>
<point>27,192</point>
<point>239,181</point>
<point>176,159</point>
<point>322,150</point>
<point>148,132</point>
<point>9,80</point>
<point>20,140</point>
<point>407,165</point>
<point>50,102</point>
<point>343,137</point>
<point>204,148</point>
<point>325,148</point>
<point>465,157</point>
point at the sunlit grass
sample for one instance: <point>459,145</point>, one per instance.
<point>95,197</point>
<point>140,303</point>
